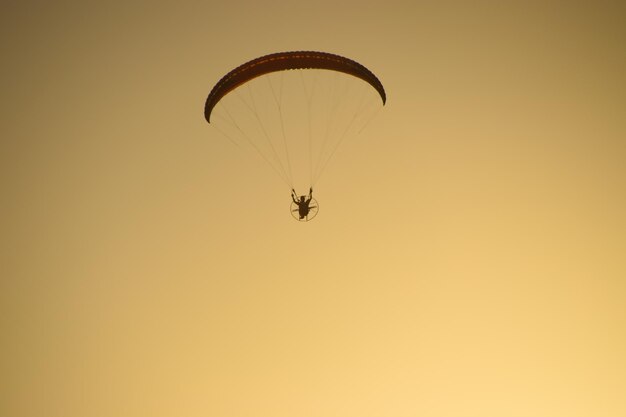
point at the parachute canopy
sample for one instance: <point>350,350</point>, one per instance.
<point>295,120</point>
<point>285,61</point>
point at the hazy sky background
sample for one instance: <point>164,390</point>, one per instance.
<point>467,260</point>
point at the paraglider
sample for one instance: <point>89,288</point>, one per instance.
<point>305,206</point>
<point>294,109</point>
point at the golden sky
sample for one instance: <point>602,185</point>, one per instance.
<point>468,258</point>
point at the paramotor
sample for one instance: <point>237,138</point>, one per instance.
<point>294,109</point>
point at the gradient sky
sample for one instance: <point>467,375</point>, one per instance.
<point>468,258</point>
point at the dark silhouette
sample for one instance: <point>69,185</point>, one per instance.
<point>303,203</point>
